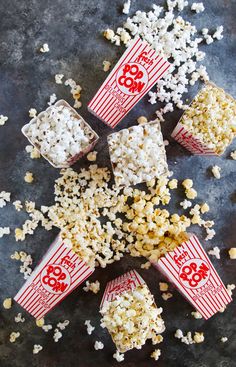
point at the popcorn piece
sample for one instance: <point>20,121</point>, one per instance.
<point>198,337</point>
<point>224,339</point>
<point>197,7</point>
<point>186,204</point>
<point>3,119</point>
<point>187,183</point>
<point>98,345</point>
<point>34,153</point>
<point>173,184</point>
<point>4,230</point>
<point>196,315</point>
<point>218,33</point>
<point>46,328</point>
<point>90,328</point>
<point>93,287</point>
<point>37,348</point>
<point>204,208</point>
<point>126,7</point>
<point>24,258</point>
<point>17,204</point>
<point>7,303</point>
<point>44,48</point>
<point>19,318</point>
<point>4,198</point>
<point>216,171</point>
<point>32,112</point>
<point>13,336</point>
<point>163,286</point>
<point>59,134</point>
<point>186,339</point>
<point>132,318</point>
<point>106,65</point>
<point>58,78</point>
<point>52,99</point>
<point>62,325</point>
<point>166,296</point>
<point>40,322</point>
<point>131,153</point>
<point>210,234</point>
<point>146,265</point>
<point>211,118</point>
<point>191,193</point>
<point>215,252</point>
<point>233,155</point>
<point>156,354</point>
<point>118,356</point>
<point>142,120</point>
<point>29,177</point>
<point>109,34</point>
<point>232,253</point>
<point>92,156</point>
<point>230,288</point>
<point>57,335</point>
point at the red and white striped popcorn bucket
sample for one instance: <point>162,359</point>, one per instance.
<point>57,275</point>
<point>189,268</point>
<point>134,75</point>
<point>183,136</point>
<point>76,157</point>
<point>126,282</point>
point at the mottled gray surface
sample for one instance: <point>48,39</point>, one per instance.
<point>73,31</point>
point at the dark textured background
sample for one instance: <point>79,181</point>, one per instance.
<point>72,28</point>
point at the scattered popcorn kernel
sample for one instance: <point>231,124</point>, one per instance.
<point>93,287</point>
<point>204,208</point>
<point>198,337</point>
<point>90,328</point>
<point>233,155</point>
<point>210,234</point>
<point>156,354</point>
<point>19,318</point>
<point>44,48</point>
<point>142,120</point>
<point>98,345</point>
<point>58,78</point>
<point>216,171</point>
<point>232,253</point>
<point>146,265</point>
<point>4,231</point>
<point>163,286</point>
<point>7,303</point>
<point>230,288</point>
<point>126,7</point>
<point>37,348</point>
<point>173,184</point>
<point>109,34</point>
<point>92,156</point>
<point>218,33</point>
<point>40,322</point>
<point>3,119</point>
<point>166,296</point>
<point>29,177</point>
<point>4,198</point>
<point>187,183</point>
<point>196,315</point>
<point>32,112</point>
<point>57,335</point>
<point>52,99</point>
<point>224,339</point>
<point>63,325</point>
<point>197,7</point>
<point>17,204</point>
<point>215,252</point>
<point>47,328</point>
<point>186,204</point>
<point>106,65</point>
<point>191,193</point>
<point>13,336</point>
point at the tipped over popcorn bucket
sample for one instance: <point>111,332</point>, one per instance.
<point>90,134</point>
<point>57,275</point>
<point>134,75</point>
<point>213,134</point>
<point>189,268</point>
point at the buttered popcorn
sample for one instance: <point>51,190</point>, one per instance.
<point>133,318</point>
<point>137,154</point>
<point>60,134</point>
<point>211,118</point>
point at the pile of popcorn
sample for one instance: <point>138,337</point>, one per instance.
<point>137,154</point>
<point>133,318</point>
<point>173,38</point>
<point>211,118</point>
<point>60,134</point>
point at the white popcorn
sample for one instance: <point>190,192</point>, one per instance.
<point>233,155</point>
<point>58,78</point>
<point>215,252</point>
<point>166,296</point>
<point>232,253</point>
<point>146,265</point>
<point>198,7</point>
<point>132,154</point>
<point>44,48</point>
<point>14,335</point>
<point>90,328</point>
<point>230,288</point>
<point>188,339</point>
<point>4,198</point>
<point>37,348</point>
<point>98,345</point>
<point>126,7</point>
<point>106,65</point>
<point>186,204</point>
<point>156,354</point>
<point>4,231</point>
<point>224,339</point>
<point>19,318</point>
<point>62,325</point>
<point>92,156</point>
<point>208,39</point>
<point>210,234</point>
<point>47,328</point>
<point>32,112</point>
<point>93,287</point>
<point>118,356</point>
<point>218,33</point>
<point>3,120</point>
<point>196,315</point>
<point>216,171</point>
<point>7,303</point>
<point>60,135</point>
<point>52,99</point>
<point>57,335</point>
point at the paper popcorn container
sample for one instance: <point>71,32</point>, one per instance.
<point>57,275</point>
<point>183,136</point>
<point>134,75</point>
<point>126,282</point>
<point>77,156</point>
<point>189,268</point>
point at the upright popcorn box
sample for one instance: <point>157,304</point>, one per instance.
<point>189,268</point>
<point>189,140</point>
<point>134,75</point>
<point>57,275</point>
